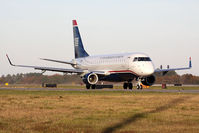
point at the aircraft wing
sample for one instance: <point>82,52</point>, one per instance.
<point>64,70</point>
<point>174,69</point>
<point>49,68</point>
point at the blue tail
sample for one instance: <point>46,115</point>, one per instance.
<point>78,45</point>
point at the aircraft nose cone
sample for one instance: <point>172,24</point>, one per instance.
<point>149,70</point>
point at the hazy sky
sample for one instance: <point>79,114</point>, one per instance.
<point>167,30</point>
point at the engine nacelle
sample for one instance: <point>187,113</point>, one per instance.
<point>90,78</point>
<point>148,80</point>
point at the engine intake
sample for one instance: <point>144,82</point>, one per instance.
<point>148,80</point>
<point>90,78</point>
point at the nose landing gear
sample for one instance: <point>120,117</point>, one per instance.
<point>139,85</point>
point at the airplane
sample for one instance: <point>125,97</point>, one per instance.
<point>124,67</point>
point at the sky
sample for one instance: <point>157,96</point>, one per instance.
<point>166,30</point>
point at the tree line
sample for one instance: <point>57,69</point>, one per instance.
<point>38,78</point>
<point>173,78</point>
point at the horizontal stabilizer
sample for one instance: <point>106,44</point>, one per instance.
<point>64,62</point>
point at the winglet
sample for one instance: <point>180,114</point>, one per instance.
<point>190,64</point>
<point>74,23</point>
<point>9,60</point>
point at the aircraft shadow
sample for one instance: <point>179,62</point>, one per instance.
<point>141,115</point>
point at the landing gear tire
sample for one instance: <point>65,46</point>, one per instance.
<point>88,86</point>
<point>130,86</point>
<point>139,87</point>
<point>125,86</point>
<point>93,86</point>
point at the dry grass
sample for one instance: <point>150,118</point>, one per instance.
<point>97,111</point>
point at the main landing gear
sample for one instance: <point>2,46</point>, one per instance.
<point>128,85</point>
<point>88,86</point>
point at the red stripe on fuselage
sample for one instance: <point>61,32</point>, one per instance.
<point>124,71</point>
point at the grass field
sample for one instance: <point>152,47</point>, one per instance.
<point>98,111</point>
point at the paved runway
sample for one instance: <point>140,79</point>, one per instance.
<point>134,90</point>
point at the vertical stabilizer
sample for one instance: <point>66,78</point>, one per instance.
<point>78,45</point>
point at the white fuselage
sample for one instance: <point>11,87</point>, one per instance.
<point>118,63</point>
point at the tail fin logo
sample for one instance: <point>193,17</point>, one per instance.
<point>76,41</point>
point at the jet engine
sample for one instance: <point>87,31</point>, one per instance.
<point>148,80</point>
<point>90,78</point>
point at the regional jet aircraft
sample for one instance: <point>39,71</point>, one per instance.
<point>113,68</point>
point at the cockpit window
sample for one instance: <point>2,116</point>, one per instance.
<point>142,59</point>
<point>135,59</point>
